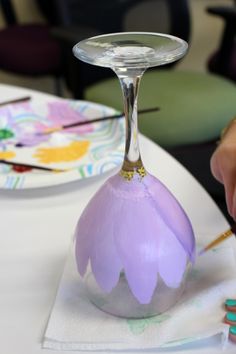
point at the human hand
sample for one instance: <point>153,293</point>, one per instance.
<point>223,166</point>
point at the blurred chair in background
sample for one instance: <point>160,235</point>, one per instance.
<point>30,49</point>
<point>194,107</point>
<point>223,60</point>
<point>85,18</point>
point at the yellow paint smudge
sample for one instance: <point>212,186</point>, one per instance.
<point>72,152</point>
<point>5,155</point>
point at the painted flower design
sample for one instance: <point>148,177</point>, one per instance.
<point>59,113</point>
<point>73,151</point>
<point>137,227</point>
<point>19,124</point>
<point>7,129</point>
<point>62,112</point>
<point>7,155</point>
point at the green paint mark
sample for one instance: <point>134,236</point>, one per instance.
<point>139,326</point>
<point>194,274</point>
<point>16,182</point>
<point>6,134</point>
<point>194,302</point>
<point>81,171</point>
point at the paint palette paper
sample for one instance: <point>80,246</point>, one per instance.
<point>84,151</point>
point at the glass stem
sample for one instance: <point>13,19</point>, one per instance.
<point>130,85</point>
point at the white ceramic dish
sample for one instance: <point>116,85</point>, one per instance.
<point>85,151</point>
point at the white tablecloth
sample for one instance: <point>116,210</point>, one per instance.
<point>36,230</point>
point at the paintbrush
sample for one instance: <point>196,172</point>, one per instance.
<point>84,122</point>
<point>17,100</point>
<point>94,120</point>
<point>222,237</point>
<point>27,166</point>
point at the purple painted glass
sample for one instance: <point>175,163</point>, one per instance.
<point>134,242</point>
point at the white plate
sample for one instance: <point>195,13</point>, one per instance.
<point>85,151</point>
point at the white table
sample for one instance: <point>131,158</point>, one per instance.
<point>36,230</point>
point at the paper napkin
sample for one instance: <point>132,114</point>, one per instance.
<point>76,324</point>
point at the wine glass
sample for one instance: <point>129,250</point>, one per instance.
<point>134,242</point>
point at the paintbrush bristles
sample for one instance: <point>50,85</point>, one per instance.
<point>222,237</point>
<point>219,239</point>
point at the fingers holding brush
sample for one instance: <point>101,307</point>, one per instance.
<point>223,167</point>
<point>229,181</point>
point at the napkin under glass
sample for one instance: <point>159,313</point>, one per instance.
<point>76,324</point>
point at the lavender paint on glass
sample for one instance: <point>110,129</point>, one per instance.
<point>137,227</point>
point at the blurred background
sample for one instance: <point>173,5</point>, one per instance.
<point>197,96</point>
<point>206,33</point>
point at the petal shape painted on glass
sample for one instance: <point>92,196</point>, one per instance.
<point>137,245</point>
<point>172,213</point>
<point>143,235</point>
<point>127,226</point>
<point>105,263</point>
<point>83,243</point>
<point>94,240</point>
<point>172,259</point>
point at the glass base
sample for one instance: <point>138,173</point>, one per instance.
<point>121,302</point>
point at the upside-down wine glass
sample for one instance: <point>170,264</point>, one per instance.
<point>134,241</point>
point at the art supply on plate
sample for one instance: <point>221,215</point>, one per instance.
<point>17,100</point>
<point>23,167</point>
<point>85,151</point>
<point>95,120</point>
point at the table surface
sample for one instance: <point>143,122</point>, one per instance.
<point>36,230</point>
